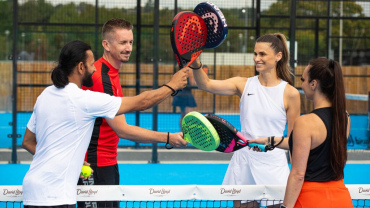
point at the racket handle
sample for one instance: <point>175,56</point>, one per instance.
<point>262,147</point>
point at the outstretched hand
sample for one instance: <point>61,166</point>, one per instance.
<point>263,140</point>
<point>196,64</point>
<point>177,140</point>
<point>180,79</point>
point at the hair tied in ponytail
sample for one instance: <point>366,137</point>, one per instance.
<point>331,64</point>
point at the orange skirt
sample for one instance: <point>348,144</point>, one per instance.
<point>324,194</point>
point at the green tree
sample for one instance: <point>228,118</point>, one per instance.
<point>6,28</point>
<point>36,11</point>
<point>306,27</point>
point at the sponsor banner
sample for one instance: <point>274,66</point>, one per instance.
<point>229,192</point>
<point>178,192</point>
<point>157,193</point>
<point>275,192</point>
<point>11,193</point>
<point>99,193</point>
<point>359,191</point>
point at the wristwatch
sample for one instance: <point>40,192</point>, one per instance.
<point>282,206</point>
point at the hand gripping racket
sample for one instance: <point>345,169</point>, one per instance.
<point>199,132</point>
<point>188,37</point>
<point>215,21</point>
<point>231,139</point>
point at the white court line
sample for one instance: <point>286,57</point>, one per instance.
<point>358,161</point>
<point>350,96</point>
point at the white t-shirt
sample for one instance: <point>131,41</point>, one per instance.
<point>63,121</point>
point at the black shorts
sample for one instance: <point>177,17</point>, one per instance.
<point>58,206</point>
<point>107,175</point>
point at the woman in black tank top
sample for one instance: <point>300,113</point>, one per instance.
<point>318,142</point>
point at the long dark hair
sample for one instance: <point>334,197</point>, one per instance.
<point>329,74</point>
<point>72,53</point>
<point>278,44</point>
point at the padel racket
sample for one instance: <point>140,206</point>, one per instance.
<point>188,37</point>
<point>199,132</point>
<point>215,21</point>
<point>231,139</point>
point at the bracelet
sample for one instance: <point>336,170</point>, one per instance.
<point>270,145</point>
<point>282,206</point>
<point>168,146</point>
<point>271,142</point>
<point>196,68</point>
<point>174,92</point>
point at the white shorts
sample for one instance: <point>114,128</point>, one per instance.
<point>245,169</point>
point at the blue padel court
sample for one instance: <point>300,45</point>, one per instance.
<point>169,122</point>
<point>174,174</point>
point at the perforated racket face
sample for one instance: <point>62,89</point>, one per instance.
<point>188,37</point>
<point>216,23</point>
<point>199,132</point>
<point>229,141</point>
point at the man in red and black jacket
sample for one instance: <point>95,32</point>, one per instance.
<point>117,40</point>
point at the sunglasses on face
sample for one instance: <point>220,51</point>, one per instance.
<point>302,79</point>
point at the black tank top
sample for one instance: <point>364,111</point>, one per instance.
<point>318,164</point>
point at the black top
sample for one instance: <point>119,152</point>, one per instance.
<point>318,164</point>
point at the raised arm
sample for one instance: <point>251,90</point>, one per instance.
<point>232,86</point>
<point>151,98</point>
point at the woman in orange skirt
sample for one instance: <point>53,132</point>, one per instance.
<point>318,142</point>
<point>324,194</point>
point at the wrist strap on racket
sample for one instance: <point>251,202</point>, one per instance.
<point>282,139</point>
<point>271,142</point>
<point>168,146</point>
<point>174,92</point>
<point>196,68</point>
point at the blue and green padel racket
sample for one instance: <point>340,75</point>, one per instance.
<point>199,132</point>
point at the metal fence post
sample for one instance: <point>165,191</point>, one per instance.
<point>14,104</point>
<point>155,76</point>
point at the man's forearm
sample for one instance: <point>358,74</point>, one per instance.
<point>154,97</point>
<point>31,148</point>
<point>141,135</point>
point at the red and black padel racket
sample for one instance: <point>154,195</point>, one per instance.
<point>188,37</point>
<point>231,139</point>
